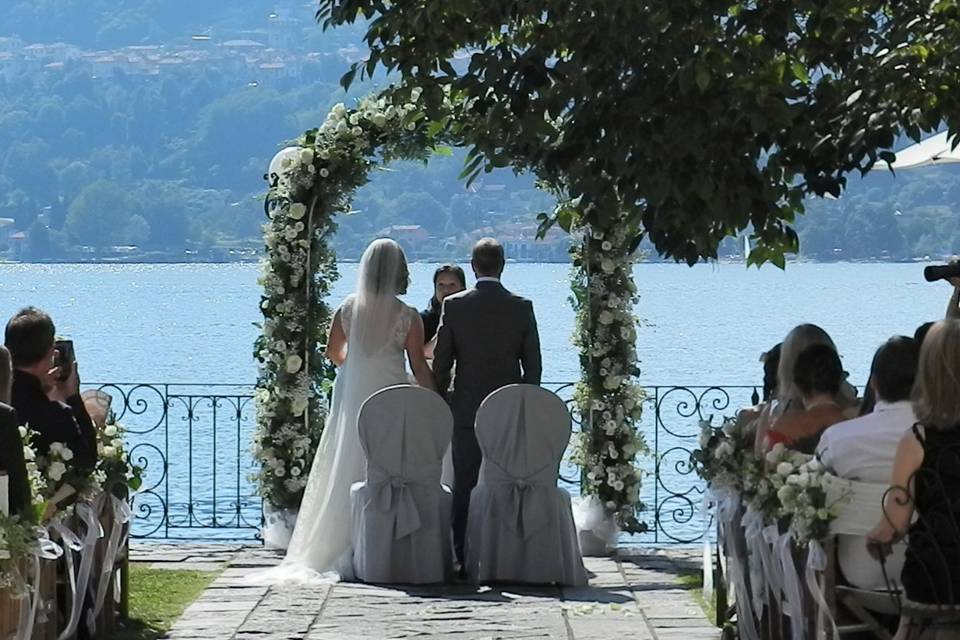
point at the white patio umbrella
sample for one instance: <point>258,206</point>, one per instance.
<point>934,150</point>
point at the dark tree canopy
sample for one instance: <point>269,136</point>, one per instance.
<point>702,119</point>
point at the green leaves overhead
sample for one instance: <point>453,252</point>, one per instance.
<point>698,119</point>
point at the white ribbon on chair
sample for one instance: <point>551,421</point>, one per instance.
<point>87,549</point>
<point>793,597</point>
<point>817,563</point>
<point>752,523</point>
<point>728,504</point>
<point>101,582</point>
<point>528,512</point>
<point>46,549</point>
<point>394,492</point>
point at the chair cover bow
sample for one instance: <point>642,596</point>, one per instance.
<point>394,493</point>
<point>527,498</point>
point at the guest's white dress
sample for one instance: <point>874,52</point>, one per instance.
<point>321,538</point>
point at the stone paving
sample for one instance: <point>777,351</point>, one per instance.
<point>633,595</point>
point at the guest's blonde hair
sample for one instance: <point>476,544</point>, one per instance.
<point>6,375</point>
<point>797,341</point>
<point>936,392</point>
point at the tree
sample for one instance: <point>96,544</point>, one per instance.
<point>99,214</point>
<point>700,119</point>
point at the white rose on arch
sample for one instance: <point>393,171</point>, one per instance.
<point>297,211</point>
<point>294,363</point>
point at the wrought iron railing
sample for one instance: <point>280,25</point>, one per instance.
<point>193,441</point>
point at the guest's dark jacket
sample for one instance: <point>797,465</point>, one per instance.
<point>55,421</point>
<point>12,462</point>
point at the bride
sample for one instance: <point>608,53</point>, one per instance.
<point>368,337</point>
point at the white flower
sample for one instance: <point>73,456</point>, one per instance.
<point>608,265</point>
<point>56,470</point>
<point>411,126</point>
<point>28,454</point>
<point>324,154</point>
<point>606,245</point>
<point>23,431</point>
<point>415,94</point>
<point>354,118</point>
<point>704,438</point>
<point>294,363</point>
<point>110,430</point>
<point>605,317</point>
<point>295,471</point>
<point>324,173</point>
<point>338,110</point>
<point>109,452</point>
<point>299,405</point>
<point>297,211</point>
<point>306,156</point>
<point>784,469</point>
<point>379,120</point>
<point>357,131</point>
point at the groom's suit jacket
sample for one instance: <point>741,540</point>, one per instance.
<point>491,335</point>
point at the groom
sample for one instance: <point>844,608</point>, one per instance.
<point>491,335</point>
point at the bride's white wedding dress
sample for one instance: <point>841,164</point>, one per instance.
<point>320,546</point>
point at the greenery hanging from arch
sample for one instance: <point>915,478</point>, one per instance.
<point>309,184</point>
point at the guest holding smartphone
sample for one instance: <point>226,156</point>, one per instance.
<point>46,394</point>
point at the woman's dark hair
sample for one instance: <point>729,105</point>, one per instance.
<point>771,361</point>
<point>450,268</point>
<point>457,272</point>
<point>818,370</point>
<point>921,333</point>
<point>29,336</point>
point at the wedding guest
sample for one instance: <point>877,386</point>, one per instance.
<point>788,397</point>
<point>11,446</point>
<point>818,378</point>
<point>770,360</point>
<point>46,397</point>
<point>926,477</point>
<point>864,448</point>
<point>447,279</point>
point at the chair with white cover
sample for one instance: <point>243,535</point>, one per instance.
<point>859,507</point>
<point>520,526</point>
<point>401,513</point>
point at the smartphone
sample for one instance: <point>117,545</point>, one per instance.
<point>63,358</point>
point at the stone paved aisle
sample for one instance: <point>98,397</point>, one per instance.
<point>634,597</point>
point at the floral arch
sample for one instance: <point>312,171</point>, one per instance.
<point>313,181</point>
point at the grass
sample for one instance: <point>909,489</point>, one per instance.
<point>693,582</point>
<point>157,598</point>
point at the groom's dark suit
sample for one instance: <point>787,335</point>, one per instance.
<point>491,334</point>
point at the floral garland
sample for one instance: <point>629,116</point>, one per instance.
<point>54,478</point>
<point>607,397</point>
<point>783,486</point>
<point>115,470</point>
<point>17,539</point>
<point>309,184</point>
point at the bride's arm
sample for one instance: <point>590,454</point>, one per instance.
<point>418,362</point>
<point>336,341</point>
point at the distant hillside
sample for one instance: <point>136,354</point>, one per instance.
<point>143,128</point>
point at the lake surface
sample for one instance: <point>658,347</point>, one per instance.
<point>195,325</point>
<point>702,325</point>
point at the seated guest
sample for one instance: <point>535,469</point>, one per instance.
<point>47,398</point>
<point>926,478</point>
<point>863,448</point>
<point>818,376</point>
<point>447,280</point>
<point>787,396</point>
<point>11,446</point>
<point>770,360</point>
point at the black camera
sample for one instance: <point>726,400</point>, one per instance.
<point>942,272</point>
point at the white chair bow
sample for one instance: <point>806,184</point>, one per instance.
<point>520,527</point>
<point>401,513</point>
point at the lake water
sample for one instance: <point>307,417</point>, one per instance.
<point>194,325</point>
<point>702,325</point>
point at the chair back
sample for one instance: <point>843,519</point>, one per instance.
<point>524,430</point>
<point>859,505</point>
<point>404,431</point>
